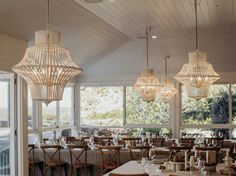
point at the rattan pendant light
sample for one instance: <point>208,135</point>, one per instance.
<point>198,74</point>
<point>147,85</point>
<point>47,66</point>
<point>168,90</point>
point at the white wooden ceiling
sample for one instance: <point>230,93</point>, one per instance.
<point>102,36</point>
<point>170,18</point>
<point>88,37</point>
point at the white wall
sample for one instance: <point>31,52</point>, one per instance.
<point>11,51</point>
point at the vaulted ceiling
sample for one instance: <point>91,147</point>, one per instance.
<point>102,37</point>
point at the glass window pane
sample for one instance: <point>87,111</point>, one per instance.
<point>5,138</point>
<point>233,91</point>
<point>49,134</point>
<point>30,110</point>
<point>211,110</point>
<point>4,104</point>
<point>66,107</point>
<point>101,106</point>
<point>141,112</point>
<point>49,114</point>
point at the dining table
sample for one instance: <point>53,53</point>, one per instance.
<point>136,167</point>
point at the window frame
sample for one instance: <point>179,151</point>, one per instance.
<point>124,124</point>
<point>37,117</point>
<point>229,126</point>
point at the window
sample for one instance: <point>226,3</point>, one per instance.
<point>4,104</point>
<point>59,113</point>
<point>66,107</point>
<point>233,95</point>
<point>101,106</point>
<point>49,114</point>
<point>211,110</point>
<point>120,107</point>
<point>30,110</point>
<point>147,113</point>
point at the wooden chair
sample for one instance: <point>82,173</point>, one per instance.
<point>84,140</point>
<point>157,142</point>
<point>201,151</point>
<point>110,156</point>
<point>70,140</point>
<point>114,174</point>
<point>138,152</point>
<point>78,158</point>
<point>177,153</point>
<point>217,140</point>
<point>45,140</point>
<point>32,162</point>
<point>52,159</point>
<point>132,140</point>
<point>187,141</point>
<point>103,140</point>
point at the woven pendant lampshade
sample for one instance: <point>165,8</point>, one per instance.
<point>168,91</point>
<point>197,75</point>
<point>198,72</point>
<point>47,67</point>
<point>147,85</point>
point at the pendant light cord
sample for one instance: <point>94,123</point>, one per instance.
<point>167,57</point>
<point>48,14</point>
<point>147,40</point>
<point>196,20</point>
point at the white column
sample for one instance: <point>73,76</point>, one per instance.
<point>22,127</point>
<point>77,106</point>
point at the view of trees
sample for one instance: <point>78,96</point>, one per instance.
<point>141,112</point>
<point>104,106</point>
<point>101,106</point>
<point>211,110</point>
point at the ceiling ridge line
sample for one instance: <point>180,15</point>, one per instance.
<point>101,19</point>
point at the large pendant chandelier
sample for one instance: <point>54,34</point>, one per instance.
<point>147,85</point>
<point>47,66</point>
<point>198,74</point>
<point>168,90</point>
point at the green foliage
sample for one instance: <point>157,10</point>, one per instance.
<point>141,112</point>
<point>210,110</point>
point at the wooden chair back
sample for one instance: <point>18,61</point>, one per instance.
<point>177,153</point>
<point>52,154</point>
<point>201,151</point>
<point>131,140</point>
<point>70,140</point>
<point>45,140</point>
<point>187,141</point>
<point>138,152</point>
<point>78,156</point>
<point>110,156</point>
<point>157,142</point>
<point>31,148</point>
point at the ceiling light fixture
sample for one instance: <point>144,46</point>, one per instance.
<point>47,66</point>
<point>198,74</point>
<point>147,85</point>
<point>168,90</point>
<point>154,36</point>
